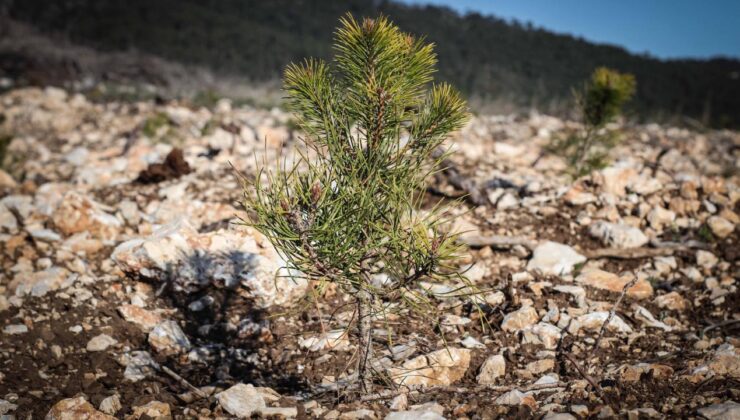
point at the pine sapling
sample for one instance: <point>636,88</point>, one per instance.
<point>346,210</point>
<point>599,102</point>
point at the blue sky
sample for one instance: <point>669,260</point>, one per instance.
<point>662,28</point>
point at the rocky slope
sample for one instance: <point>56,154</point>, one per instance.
<point>128,291</point>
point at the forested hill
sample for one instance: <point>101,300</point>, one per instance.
<point>497,63</point>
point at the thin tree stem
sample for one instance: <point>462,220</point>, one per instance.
<point>364,327</point>
<point>583,150</point>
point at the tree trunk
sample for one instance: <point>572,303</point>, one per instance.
<point>365,330</point>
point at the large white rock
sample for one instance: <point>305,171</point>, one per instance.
<point>167,338</point>
<point>152,410</point>
<point>331,340</point>
<point>578,196</point>
<point>520,319</point>
<point>196,211</point>
<point>594,320</point>
<point>143,318</point>
<point>78,156</point>
<point>644,316</point>
<point>22,205</point>
<point>552,258</point>
<point>578,292</point>
<point>516,398</point>
<point>725,361</point>
<point>729,410</point>
<point>660,218</point>
<point>720,226</point>
<point>618,235</point>
<point>543,333</point>
<point>75,409</point>
<point>77,213</point>
<point>414,415</point>
<point>6,407</point>
<point>494,367</point>
<point>111,405</point>
<point>609,281</point>
<point>139,365</point>
<point>615,179</point>
<point>14,329</point>
<point>40,283</point>
<point>442,367</point>
<point>279,412</point>
<point>192,260</point>
<point>673,301</point>
<point>241,400</point>
<point>645,185</point>
<point>101,342</point>
<point>8,222</point>
<point>6,181</point>
<point>706,259</point>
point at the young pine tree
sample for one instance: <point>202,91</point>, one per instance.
<point>346,210</point>
<point>600,101</point>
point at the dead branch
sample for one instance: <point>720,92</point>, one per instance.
<point>585,375</point>
<point>412,390</point>
<point>719,325</point>
<point>498,241</point>
<point>686,245</point>
<point>179,379</point>
<point>439,193</point>
<point>528,388</point>
<point>658,249</point>
<point>611,314</point>
<point>388,393</point>
<point>628,253</point>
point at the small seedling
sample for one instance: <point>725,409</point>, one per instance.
<point>346,212</point>
<point>153,125</point>
<point>600,102</point>
<point>705,233</point>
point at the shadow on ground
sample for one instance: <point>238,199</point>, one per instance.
<point>232,339</point>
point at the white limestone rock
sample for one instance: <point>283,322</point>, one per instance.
<point>520,319</point>
<point>168,338</point>
<point>241,400</point>
<point>192,261</point>
<point>552,258</point>
<point>494,367</point>
<point>101,342</point>
<point>618,235</point>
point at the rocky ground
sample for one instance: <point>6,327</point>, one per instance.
<point>128,291</point>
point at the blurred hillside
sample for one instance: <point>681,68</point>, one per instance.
<point>502,66</point>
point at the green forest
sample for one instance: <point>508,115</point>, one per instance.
<point>497,63</point>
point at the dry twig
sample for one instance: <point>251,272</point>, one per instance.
<point>659,249</point>
<point>611,314</point>
<point>628,253</point>
<point>719,325</point>
<point>391,393</point>
<point>180,379</point>
<point>585,375</point>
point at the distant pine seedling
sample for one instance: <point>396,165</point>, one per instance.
<point>346,211</point>
<point>599,102</point>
